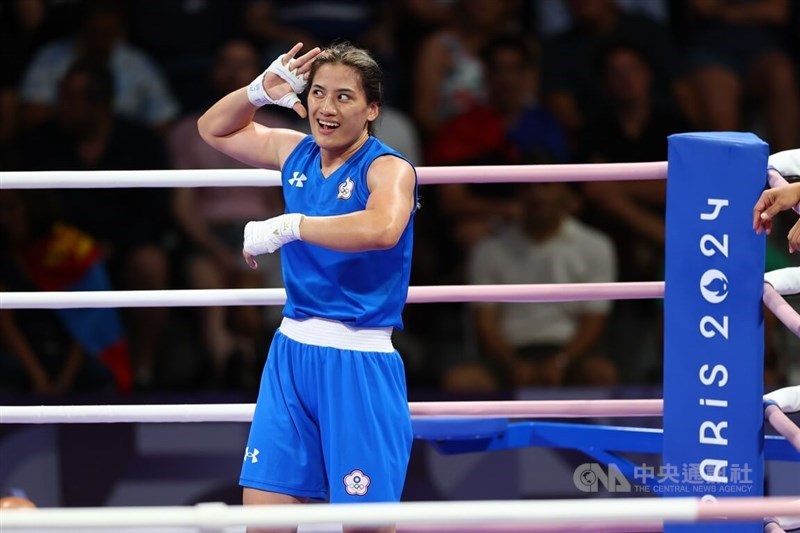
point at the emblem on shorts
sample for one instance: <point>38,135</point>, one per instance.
<point>253,456</point>
<point>346,189</point>
<point>356,483</point>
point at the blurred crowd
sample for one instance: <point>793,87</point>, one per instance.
<point>118,85</point>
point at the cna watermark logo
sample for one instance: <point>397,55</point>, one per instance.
<point>663,479</point>
<point>589,477</point>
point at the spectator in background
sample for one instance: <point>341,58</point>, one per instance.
<point>184,35</point>
<point>543,343</point>
<point>54,351</point>
<point>734,49</point>
<point>449,76</point>
<point>632,127</point>
<point>428,14</point>
<point>414,21</point>
<point>21,26</point>
<point>511,128</point>
<point>514,94</point>
<point>279,24</point>
<point>793,35</point>
<point>140,92</point>
<point>212,218</point>
<point>633,123</point>
<point>573,90</point>
<point>395,128</point>
<point>130,225</point>
<point>24,26</point>
<point>314,23</point>
<point>553,16</point>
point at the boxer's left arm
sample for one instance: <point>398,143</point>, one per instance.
<point>392,184</point>
<point>392,199</point>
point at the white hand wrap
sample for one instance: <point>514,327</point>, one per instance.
<point>266,236</point>
<point>787,399</point>
<point>787,524</point>
<point>784,280</point>
<point>786,162</point>
<point>258,95</point>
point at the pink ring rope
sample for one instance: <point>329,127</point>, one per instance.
<point>98,414</point>
<point>540,409</point>
<point>644,527</point>
<point>783,425</point>
<point>782,310</point>
<point>545,173</point>
<point>73,414</point>
<point>272,178</point>
<point>745,508</point>
<point>555,292</point>
<point>791,319</point>
<point>775,179</point>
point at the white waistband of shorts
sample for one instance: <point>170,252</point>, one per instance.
<point>334,334</point>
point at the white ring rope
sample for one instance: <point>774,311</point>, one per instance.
<point>556,292</point>
<point>257,177</point>
<point>617,511</point>
<point>594,527</point>
<point>243,412</point>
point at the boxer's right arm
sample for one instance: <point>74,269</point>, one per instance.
<point>228,125</point>
<point>772,202</point>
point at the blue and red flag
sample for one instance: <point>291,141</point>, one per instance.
<point>67,259</point>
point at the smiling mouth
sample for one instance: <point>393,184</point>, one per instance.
<point>326,125</point>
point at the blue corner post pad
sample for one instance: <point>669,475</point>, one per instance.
<point>713,325</point>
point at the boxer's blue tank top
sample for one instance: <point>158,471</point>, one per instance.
<point>360,289</point>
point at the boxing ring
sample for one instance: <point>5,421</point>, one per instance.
<point>462,427</point>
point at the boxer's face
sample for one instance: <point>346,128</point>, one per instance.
<point>337,107</point>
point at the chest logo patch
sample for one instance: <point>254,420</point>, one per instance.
<point>297,179</point>
<point>346,189</point>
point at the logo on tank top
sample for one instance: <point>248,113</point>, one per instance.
<point>356,483</point>
<point>346,189</point>
<point>297,179</point>
<point>253,456</point>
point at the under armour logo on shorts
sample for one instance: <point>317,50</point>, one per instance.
<point>253,456</point>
